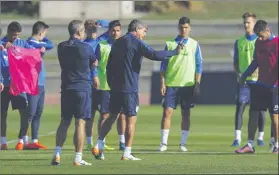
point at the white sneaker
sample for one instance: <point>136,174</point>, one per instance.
<point>82,163</point>
<point>130,157</point>
<point>271,145</point>
<point>102,156</point>
<point>183,148</point>
<point>98,153</point>
<point>163,147</point>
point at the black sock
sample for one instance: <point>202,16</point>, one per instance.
<point>261,121</point>
<point>240,108</point>
<point>253,123</point>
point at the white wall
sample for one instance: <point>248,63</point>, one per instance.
<point>92,9</point>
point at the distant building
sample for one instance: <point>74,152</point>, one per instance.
<point>86,9</point>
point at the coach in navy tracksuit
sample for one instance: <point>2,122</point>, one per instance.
<point>76,60</point>
<point>123,70</point>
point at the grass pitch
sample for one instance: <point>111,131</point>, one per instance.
<point>212,132</point>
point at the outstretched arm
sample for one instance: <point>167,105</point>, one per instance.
<point>151,54</point>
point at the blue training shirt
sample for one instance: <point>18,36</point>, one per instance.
<point>5,73</point>
<point>39,44</point>
<point>198,56</point>
<point>94,42</point>
<point>125,59</point>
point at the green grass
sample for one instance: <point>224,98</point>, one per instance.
<point>222,10</point>
<point>208,144</point>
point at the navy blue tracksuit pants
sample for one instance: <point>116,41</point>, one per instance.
<point>32,114</point>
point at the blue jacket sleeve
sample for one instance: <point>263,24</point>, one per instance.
<point>103,23</point>
<point>235,54</point>
<point>198,56</point>
<point>98,57</point>
<point>1,77</point>
<point>151,54</point>
<point>39,44</point>
<point>98,52</point>
<point>48,44</point>
<point>104,36</point>
<point>91,54</point>
<point>164,63</point>
<point>27,45</point>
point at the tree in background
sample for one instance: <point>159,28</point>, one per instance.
<point>27,8</point>
<point>167,6</point>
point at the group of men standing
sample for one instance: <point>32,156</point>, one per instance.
<point>30,106</point>
<point>256,65</point>
<point>102,73</point>
<point>114,67</point>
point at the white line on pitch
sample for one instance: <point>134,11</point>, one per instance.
<point>44,135</point>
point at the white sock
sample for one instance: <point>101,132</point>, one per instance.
<point>122,138</point>
<point>164,136</point>
<point>20,140</point>
<point>272,140</point>
<point>78,157</point>
<point>35,140</point>
<point>238,135</point>
<point>3,140</point>
<point>276,144</point>
<point>251,143</point>
<point>127,151</point>
<point>58,150</point>
<point>99,144</point>
<point>184,136</point>
<point>25,140</point>
<point>261,135</point>
<point>104,140</point>
<point>90,140</point>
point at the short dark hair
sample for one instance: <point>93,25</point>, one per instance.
<point>260,26</point>
<point>90,25</point>
<point>38,26</point>
<point>248,15</point>
<point>184,20</point>
<point>114,23</point>
<point>134,24</point>
<point>14,27</point>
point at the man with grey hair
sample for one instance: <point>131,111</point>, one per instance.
<point>123,69</point>
<point>76,60</point>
